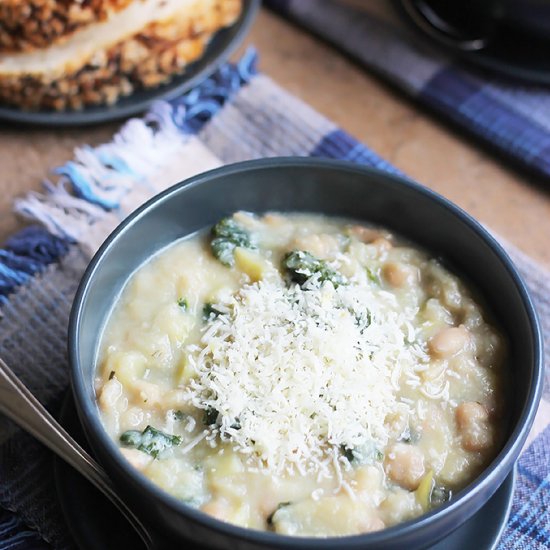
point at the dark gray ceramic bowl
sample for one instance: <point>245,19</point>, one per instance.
<point>332,188</point>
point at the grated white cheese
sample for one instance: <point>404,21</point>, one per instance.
<point>191,423</point>
<point>194,442</point>
<point>297,373</point>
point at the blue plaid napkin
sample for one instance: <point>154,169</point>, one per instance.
<point>234,115</point>
<point>512,119</point>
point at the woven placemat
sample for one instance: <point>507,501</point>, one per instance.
<point>235,115</point>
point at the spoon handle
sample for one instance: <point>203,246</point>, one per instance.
<point>20,405</point>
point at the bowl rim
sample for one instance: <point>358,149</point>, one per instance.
<point>491,476</point>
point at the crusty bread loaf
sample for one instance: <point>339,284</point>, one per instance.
<point>30,24</point>
<point>111,59</point>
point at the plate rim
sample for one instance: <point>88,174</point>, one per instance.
<point>178,85</point>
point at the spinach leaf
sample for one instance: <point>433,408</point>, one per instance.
<point>366,454</point>
<point>209,312</point>
<point>210,416</point>
<point>301,266</point>
<point>150,440</point>
<point>227,235</point>
<point>131,438</point>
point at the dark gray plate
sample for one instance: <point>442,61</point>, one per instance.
<point>218,50</point>
<point>96,525</point>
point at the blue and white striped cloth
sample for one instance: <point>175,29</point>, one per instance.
<point>235,115</point>
<point>511,119</point>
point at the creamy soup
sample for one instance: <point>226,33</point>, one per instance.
<point>303,375</point>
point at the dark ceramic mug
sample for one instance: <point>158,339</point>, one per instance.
<point>469,25</point>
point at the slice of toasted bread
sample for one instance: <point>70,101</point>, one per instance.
<point>94,67</point>
<point>29,24</point>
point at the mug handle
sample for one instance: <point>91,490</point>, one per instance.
<point>429,21</point>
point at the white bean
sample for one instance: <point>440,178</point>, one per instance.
<point>449,341</point>
<point>473,424</point>
<point>365,234</point>
<point>404,464</point>
<point>399,275</point>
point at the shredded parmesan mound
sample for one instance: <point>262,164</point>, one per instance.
<point>296,374</point>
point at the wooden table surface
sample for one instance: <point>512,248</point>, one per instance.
<point>514,205</point>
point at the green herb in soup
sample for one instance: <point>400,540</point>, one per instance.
<point>209,312</point>
<point>365,454</point>
<point>304,375</point>
<point>150,440</point>
<point>227,235</point>
<point>210,416</point>
<point>302,266</point>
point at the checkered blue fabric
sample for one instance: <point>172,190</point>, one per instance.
<point>511,119</point>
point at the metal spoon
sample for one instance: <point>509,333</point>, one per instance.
<point>20,405</point>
